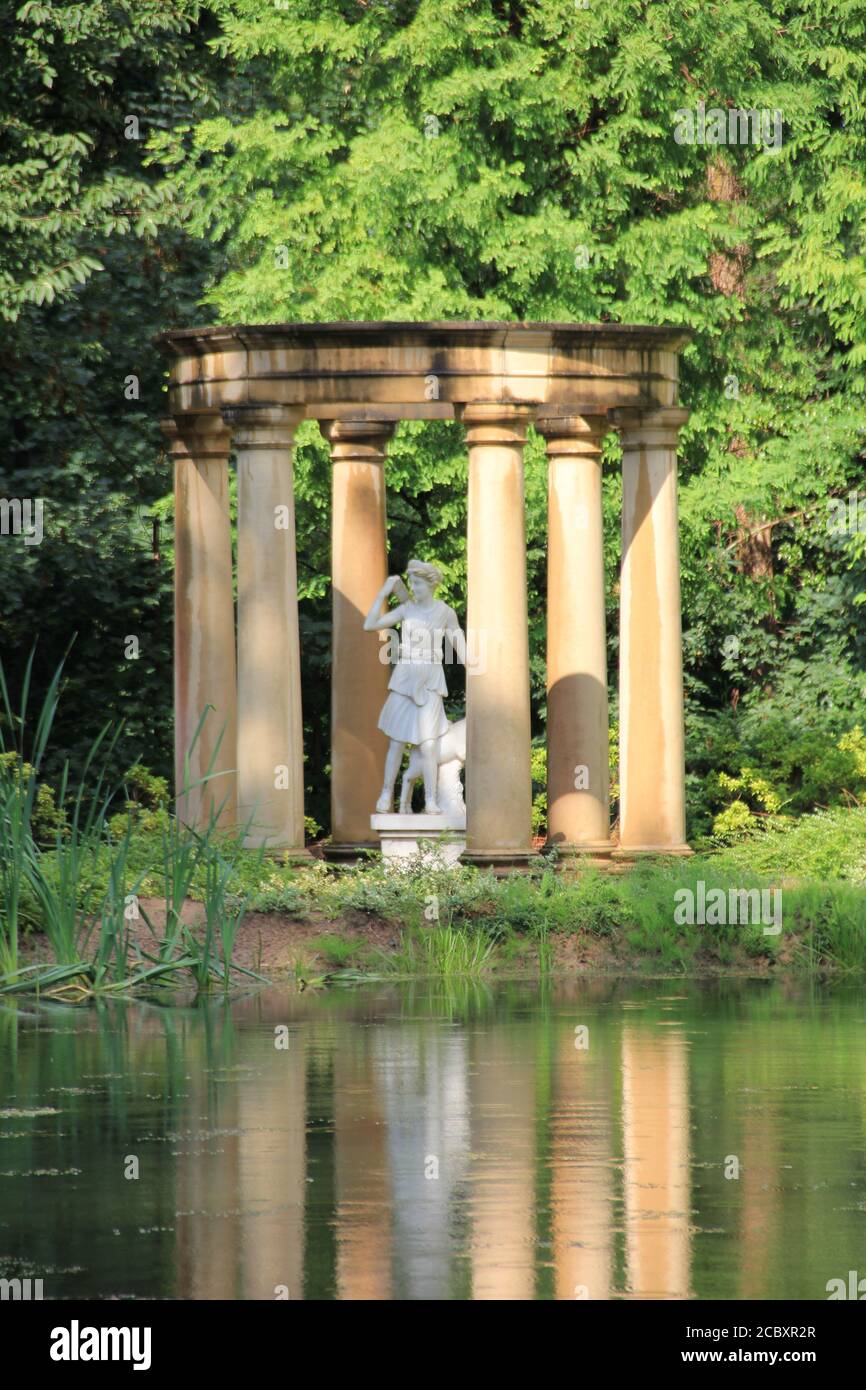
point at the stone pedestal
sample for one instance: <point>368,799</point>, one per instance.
<point>412,839</point>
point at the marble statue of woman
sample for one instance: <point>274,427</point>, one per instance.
<point>413,712</point>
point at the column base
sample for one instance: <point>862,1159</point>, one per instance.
<point>566,857</point>
<point>346,852</point>
<point>288,854</point>
<point>652,851</point>
<point>569,850</point>
<point>504,861</point>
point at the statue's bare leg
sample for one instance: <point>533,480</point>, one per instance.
<point>406,790</point>
<point>429,750</point>
<point>394,758</point>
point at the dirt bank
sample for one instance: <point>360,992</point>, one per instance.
<point>277,944</point>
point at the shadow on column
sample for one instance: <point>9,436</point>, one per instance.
<point>358,747</point>
<point>577,727</point>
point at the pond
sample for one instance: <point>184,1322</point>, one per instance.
<point>594,1138</point>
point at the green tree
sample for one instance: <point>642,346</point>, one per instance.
<point>327,159</point>
<point>502,161</point>
<point>92,264</point>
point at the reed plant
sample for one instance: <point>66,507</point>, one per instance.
<point>445,948</point>
<point>18,790</point>
<point>82,879</point>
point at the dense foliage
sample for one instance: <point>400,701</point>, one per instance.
<point>92,264</point>
<point>324,159</point>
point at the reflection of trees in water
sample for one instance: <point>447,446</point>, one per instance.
<point>102,1069</point>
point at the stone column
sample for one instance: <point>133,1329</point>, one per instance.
<point>578,802</point>
<point>359,679</point>
<point>498,780</point>
<point>651,735</point>
<point>270,731</point>
<point>204,621</point>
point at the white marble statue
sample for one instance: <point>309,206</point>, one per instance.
<point>413,712</point>
<point>451,756</point>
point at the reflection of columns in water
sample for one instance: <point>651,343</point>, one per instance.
<point>362,1173</point>
<point>502,1195</point>
<point>759,1193</point>
<point>422,1078</point>
<point>207,1222</point>
<point>241,1182</point>
<point>272,1170</point>
<point>655,1125</point>
<point>581,1175</point>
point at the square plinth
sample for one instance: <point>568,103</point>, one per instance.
<point>408,839</point>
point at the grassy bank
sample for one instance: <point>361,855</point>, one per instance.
<point>463,921</point>
<point>96,883</point>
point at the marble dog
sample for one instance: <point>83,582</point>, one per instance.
<point>451,755</point>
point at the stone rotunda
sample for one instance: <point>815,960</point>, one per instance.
<point>244,390</point>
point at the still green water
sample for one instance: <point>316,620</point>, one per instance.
<point>697,1140</point>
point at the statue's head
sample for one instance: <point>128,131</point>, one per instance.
<point>423,579</point>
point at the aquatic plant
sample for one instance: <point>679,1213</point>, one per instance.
<point>83,882</point>
<point>444,949</point>
<point>19,782</point>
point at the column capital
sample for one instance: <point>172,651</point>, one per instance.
<point>263,426</point>
<point>196,436</point>
<point>361,441</point>
<point>659,426</point>
<point>571,434</point>
<point>495,422</point>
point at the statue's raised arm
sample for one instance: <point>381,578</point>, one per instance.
<point>380,615</point>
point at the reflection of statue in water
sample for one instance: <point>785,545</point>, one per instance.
<point>413,712</point>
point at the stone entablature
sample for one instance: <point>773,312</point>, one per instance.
<point>585,367</point>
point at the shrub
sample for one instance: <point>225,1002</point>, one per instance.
<point>46,817</point>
